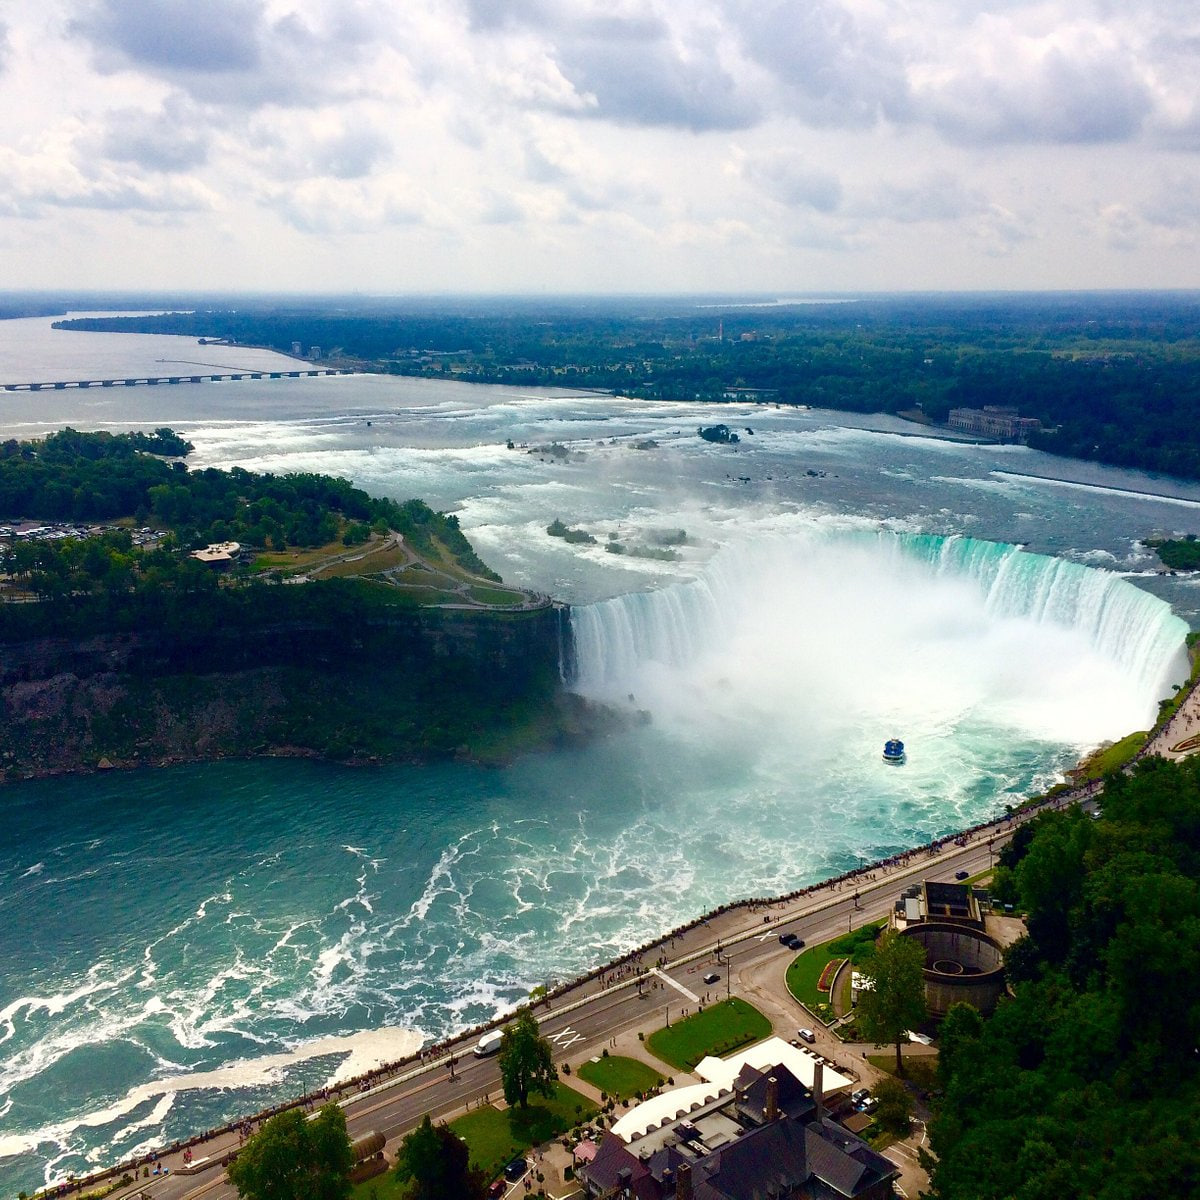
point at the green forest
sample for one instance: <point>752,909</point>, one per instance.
<point>105,581</point>
<point>1113,377</point>
<point>1087,1082</point>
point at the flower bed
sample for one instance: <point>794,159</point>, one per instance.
<point>831,969</point>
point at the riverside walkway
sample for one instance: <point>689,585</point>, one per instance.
<point>614,1003</point>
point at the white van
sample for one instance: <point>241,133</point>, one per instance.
<point>489,1043</point>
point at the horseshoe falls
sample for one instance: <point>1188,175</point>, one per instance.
<point>842,640</point>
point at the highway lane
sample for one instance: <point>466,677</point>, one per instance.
<point>577,1032</point>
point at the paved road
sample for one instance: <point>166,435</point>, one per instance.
<point>748,946</point>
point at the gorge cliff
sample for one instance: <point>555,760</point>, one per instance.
<point>409,685</point>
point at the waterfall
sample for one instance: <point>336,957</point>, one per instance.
<point>1122,622</point>
<point>894,623</point>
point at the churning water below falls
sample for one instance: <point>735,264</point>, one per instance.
<point>178,947</point>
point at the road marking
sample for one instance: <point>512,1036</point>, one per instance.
<point>565,1038</point>
<point>676,985</point>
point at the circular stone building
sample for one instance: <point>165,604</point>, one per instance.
<point>961,963</point>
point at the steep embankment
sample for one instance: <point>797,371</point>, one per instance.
<point>411,685</point>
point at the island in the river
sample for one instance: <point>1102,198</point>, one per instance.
<point>151,614</point>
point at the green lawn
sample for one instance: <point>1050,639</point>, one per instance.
<point>382,1187</point>
<point>619,1076</point>
<point>1112,758</point>
<point>806,968</point>
<point>804,972</point>
<point>495,1136</point>
<point>719,1029</point>
<point>920,1069</point>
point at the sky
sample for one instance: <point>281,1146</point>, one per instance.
<point>609,146</point>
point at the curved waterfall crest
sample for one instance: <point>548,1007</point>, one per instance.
<point>676,625</point>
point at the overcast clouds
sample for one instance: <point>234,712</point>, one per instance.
<point>599,145</point>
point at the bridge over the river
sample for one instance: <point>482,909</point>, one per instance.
<point>154,380</point>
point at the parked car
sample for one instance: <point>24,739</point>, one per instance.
<point>806,1035</point>
<point>515,1169</point>
<point>498,1188</point>
<point>856,1098</point>
<point>712,977</point>
<point>960,875</point>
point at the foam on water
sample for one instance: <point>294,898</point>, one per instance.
<point>801,625</point>
<point>357,1054</point>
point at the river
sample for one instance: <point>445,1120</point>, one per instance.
<point>182,945</point>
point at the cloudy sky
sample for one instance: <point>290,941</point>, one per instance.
<point>599,145</point>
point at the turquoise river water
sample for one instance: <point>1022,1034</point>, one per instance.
<point>180,946</point>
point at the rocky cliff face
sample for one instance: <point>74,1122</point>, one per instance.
<point>419,684</point>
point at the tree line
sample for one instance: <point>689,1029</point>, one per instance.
<point>1086,1082</point>
<point>89,477</point>
<point>1113,378</point>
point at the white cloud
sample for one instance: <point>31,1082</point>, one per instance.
<point>793,181</point>
<point>558,143</point>
<point>1077,83</point>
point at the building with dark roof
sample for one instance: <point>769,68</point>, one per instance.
<point>767,1139</point>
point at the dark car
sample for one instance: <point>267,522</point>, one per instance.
<point>785,939</point>
<point>712,977</point>
<point>797,942</point>
<point>961,874</point>
<point>498,1188</point>
<point>515,1169</point>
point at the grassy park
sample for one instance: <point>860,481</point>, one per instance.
<point>719,1029</point>
<point>806,969</point>
<point>497,1135</point>
<point>619,1076</point>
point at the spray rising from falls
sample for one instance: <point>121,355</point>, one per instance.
<point>850,631</point>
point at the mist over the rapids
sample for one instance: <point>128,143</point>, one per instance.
<point>825,638</point>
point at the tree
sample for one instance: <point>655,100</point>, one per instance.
<point>960,1030</point>
<point>293,1158</point>
<point>895,1001</point>
<point>525,1061</point>
<point>435,1164</point>
<point>895,1106</point>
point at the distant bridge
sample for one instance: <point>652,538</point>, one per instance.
<point>153,380</point>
